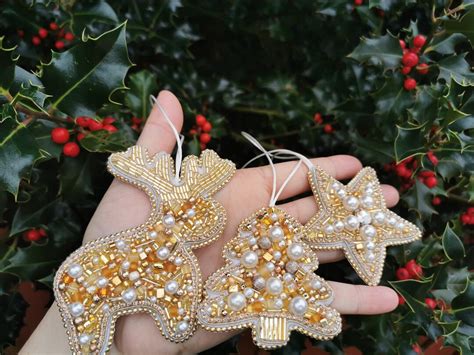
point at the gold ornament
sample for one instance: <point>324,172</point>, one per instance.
<point>150,268</point>
<point>355,219</point>
<point>268,284</point>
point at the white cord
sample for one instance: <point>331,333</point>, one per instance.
<point>179,138</point>
<point>268,154</point>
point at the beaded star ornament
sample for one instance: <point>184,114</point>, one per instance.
<point>268,281</point>
<point>150,268</point>
<point>355,219</point>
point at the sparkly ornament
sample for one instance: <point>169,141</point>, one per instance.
<point>273,300</point>
<point>150,268</point>
<point>355,219</point>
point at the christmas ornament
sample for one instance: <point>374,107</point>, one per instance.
<point>268,282</point>
<point>150,268</point>
<point>355,219</point>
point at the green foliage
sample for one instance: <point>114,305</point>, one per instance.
<point>266,68</point>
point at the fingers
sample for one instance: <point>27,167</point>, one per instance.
<point>157,134</point>
<point>338,166</point>
<point>358,299</point>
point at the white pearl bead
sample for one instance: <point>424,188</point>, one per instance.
<point>342,193</point>
<point>368,231</point>
<point>168,220</point>
<point>370,245</point>
<point>291,266</point>
<point>125,265</point>
<point>378,217</point>
<point>236,301</point>
<point>367,201</point>
<point>329,229</point>
<point>163,253</point>
<point>95,260</point>
<point>298,306</point>
<point>274,217</point>
<point>91,289</point>
<point>190,212</point>
<point>370,256</point>
<point>351,203</point>
<point>274,286</point>
<point>171,287</point>
<point>120,244</point>
<point>276,233</point>
<point>178,261</point>
<point>249,259</point>
<point>75,270</point>
<point>252,241</point>
<point>182,326</point>
<point>129,295</point>
<point>278,303</point>
<point>259,282</point>
<point>277,255</point>
<point>400,226</point>
<point>153,234</point>
<point>248,292</point>
<point>316,284</point>
<point>181,311</point>
<point>295,251</point>
<point>153,299</point>
<point>102,282</point>
<point>339,226</point>
<point>352,223</point>
<point>84,339</point>
<point>336,186</point>
<point>369,190</point>
<point>189,288</point>
<point>76,309</point>
<point>270,266</point>
<point>264,243</point>
<point>364,217</point>
<point>392,221</point>
<point>287,278</point>
<point>245,234</point>
<point>134,276</point>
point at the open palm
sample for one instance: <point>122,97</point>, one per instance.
<point>249,190</point>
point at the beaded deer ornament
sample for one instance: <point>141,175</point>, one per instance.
<point>150,268</point>
<point>268,281</point>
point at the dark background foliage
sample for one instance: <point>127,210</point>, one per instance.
<point>319,77</point>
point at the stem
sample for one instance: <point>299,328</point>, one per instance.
<point>459,198</point>
<point>258,111</point>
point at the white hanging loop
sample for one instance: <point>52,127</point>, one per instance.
<point>275,194</point>
<point>179,140</point>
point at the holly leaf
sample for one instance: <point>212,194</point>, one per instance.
<point>75,176</point>
<point>419,200</point>
<point>104,142</point>
<point>18,152</point>
<point>409,141</point>
<point>463,304</point>
<point>384,51</point>
<point>86,14</point>
<point>414,292</point>
<point>90,73</point>
<point>12,312</point>
<point>465,25</point>
<point>426,105</point>
<point>445,44</point>
<point>142,85</point>
<point>452,245</point>
<point>31,215</point>
<point>7,63</point>
<point>456,68</point>
<point>41,130</point>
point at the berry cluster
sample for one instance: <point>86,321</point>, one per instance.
<point>137,123</point>
<point>60,135</point>
<point>202,128</point>
<point>411,60</point>
<point>411,270</point>
<point>406,170</point>
<point>54,33</point>
<point>318,119</point>
<point>33,235</point>
<point>467,218</point>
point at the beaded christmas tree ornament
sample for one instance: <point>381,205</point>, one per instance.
<point>268,281</point>
<point>354,218</point>
<point>150,268</point>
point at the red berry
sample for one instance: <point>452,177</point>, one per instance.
<point>53,26</point>
<point>416,348</point>
<point>68,36</point>
<point>402,274</point>
<point>402,171</point>
<point>203,146</point>
<point>403,45</point>
<point>108,120</point>
<point>318,118</point>
<point>419,41</point>
<point>431,181</point>
<point>32,235</point>
<point>401,300</point>
<point>431,303</point>
<point>205,138</point>
<point>465,219</point>
<point>95,125</point>
<point>426,173</point>
<point>358,2</point>
<point>200,120</point>
<point>432,157</point>
<point>422,68</point>
<point>43,32</point>
<point>59,135</point>
<point>207,126</point>
<point>328,128</point>
<point>80,136</point>
<point>136,120</point>
<point>405,70</point>
<point>436,201</point>
<point>192,131</point>
<point>415,50</point>
<point>82,121</point>
<point>71,149</point>
<point>410,59</point>
<point>59,45</point>
<point>110,128</point>
<point>414,269</point>
<point>42,232</point>
<point>409,84</point>
<point>36,41</point>
<point>470,211</point>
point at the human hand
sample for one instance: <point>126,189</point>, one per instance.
<point>248,191</point>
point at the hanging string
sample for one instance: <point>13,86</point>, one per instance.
<point>179,140</point>
<point>284,154</point>
<point>268,154</point>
